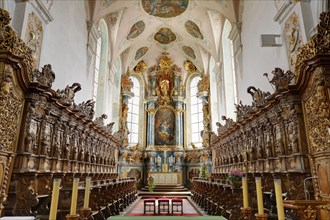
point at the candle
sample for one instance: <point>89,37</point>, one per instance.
<point>279,199</point>
<point>87,191</point>
<point>54,203</point>
<point>74,196</point>
<point>259,196</point>
<point>245,193</point>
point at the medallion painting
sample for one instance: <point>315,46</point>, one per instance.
<point>165,9</point>
<point>141,52</point>
<point>189,51</point>
<point>136,30</point>
<point>193,29</point>
<point>165,127</point>
<point>165,36</point>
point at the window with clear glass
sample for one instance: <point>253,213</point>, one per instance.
<point>97,67</point>
<point>133,113</point>
<point>196,107</point>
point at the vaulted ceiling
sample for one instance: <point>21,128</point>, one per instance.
<point>144,29</point>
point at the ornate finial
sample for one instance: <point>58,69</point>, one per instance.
<point>68,93</point>
<point>87,108</point>
<point>259,97</point>
<point>4,17</point>
<point>46,77</point>
<point>165,61</point>
<point>140,67</point>
<point>189,66</point>
<point>280,79</point>
<point>100,120</point>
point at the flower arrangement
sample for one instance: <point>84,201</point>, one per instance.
<point>151,183</point>
<point>235,176</point>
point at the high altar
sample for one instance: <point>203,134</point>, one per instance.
<point>165,113</point>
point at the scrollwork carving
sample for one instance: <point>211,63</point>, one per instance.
<point>318,122</point>
<point>10,111</point>
<point>318,44</point>
<point>87,108</point>
<point>10,41</point>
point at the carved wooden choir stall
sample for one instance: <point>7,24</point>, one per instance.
<point>284,135</point>
<point>45,135</point>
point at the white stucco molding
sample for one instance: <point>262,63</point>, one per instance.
<point>43,9</point>
<point>285,9</point>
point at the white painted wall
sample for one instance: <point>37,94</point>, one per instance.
<point>64,47</point>
<point>258,19</point>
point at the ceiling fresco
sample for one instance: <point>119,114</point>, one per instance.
<point>165,36</point>
<point>165,8</point>
<point>141,52</point>
<point>145,29</point>
<point>189,51</point>
<point>193,29</point>
<point>136,30</point>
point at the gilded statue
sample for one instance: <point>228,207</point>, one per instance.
<point>204,84</point>
<point>126,83</point>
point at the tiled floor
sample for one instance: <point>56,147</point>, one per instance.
<point>137,209</point>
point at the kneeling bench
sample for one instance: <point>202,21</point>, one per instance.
<point>149,205</point>
<point>178,205</point>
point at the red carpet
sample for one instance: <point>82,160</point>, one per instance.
<point>184,214</point>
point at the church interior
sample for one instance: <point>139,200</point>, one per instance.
<point>163,109</point>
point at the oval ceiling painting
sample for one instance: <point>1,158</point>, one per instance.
<point>193,29</point>
<point>165,36</point>
<point>189,51</point>
<point>165,8</point>
<point>136,30</point>
<point>140,52</point>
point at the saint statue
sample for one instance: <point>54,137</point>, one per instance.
<point>158,161</point>
<point>171,160</point>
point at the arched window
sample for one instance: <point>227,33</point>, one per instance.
<point>101,66</point>
<point>133,113</point>
<point>196,113</point>
<point>229,71</point>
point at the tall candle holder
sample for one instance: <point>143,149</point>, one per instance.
<point>84,213</point>
<point>72,217</point>
<point>246,213</point>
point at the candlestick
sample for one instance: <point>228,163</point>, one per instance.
<point>245,193</point>
<point>279,199</point>
<point>74,196</point>
<point>55,194</point>
<point>259,196</point>
<point>87,192</point>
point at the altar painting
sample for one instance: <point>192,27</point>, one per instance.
<point>165,127</point>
